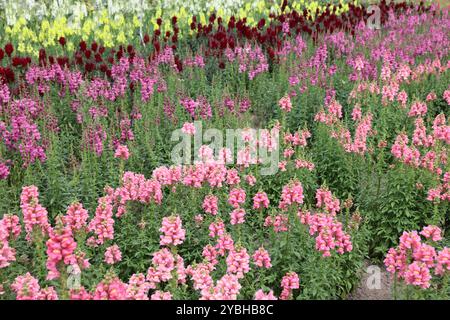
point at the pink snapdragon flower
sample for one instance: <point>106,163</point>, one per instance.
<point>122,152</point>
<point>260,200</point>
<point>60,249</point>
<point>76,217</point>
<point>188,128</point>
<point>26,287</point>
<point>236,197</point>
<point>432,232</point>
<point>174,234</point>
<point>261,258</point>
<point>113,254</point>
<point>285,103</point>
<point>289,282</point>
<point>237,216</point>
<point>210,204</point>
<point>260,295</point>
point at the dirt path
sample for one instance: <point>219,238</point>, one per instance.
<point>370,288</point>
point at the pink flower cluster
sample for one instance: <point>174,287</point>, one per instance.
<point>418,109</point>
<point>250,59</point>
<point>330,235</point>
<point>4,170</point>
<point>297,139</point>
<point>164,265</point>
<point>122,152</point>
<point>60,248</point>
<point>237,216</point>
<point>113,254</point>
<point>111,288</point>
<point>102,225</point>
<point>260,200</point>
<point>210,204</point>
<point>76,217</point>
<point>9,228</point>
<point>135,187</point>
<point>34,215</point>
<point>260,295</point>
<point>413,260</point>
<point>325,198</point>
<point>188,128</point>
<point>226,288</point>
<point>174,234</point>
<point>285,104</point>
<point>289,282</point>
<point>238,262</point>
<point>280,222</point>
<point>236,197</point>
<point>292,193</point>
<point>27,287</point>
<point>261,258</point>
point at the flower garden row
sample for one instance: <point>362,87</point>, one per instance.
<point>93,208</point>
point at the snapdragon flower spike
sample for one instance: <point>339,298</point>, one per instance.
<point>111,288</point>
<point>237,216</point>
<point>7,254</point>
<point>210,204</point>
<point>76,217</point>
<point>324,197</point>
<point>4,171</point>
<point>226,288</point>
<point>289,282</point>
<point>60,249</point>
<point>113,254</point>
<point>135,187</point>
<point>261,258</point>
<point>26,287</point>
<point>330,234</point>
<point>285,104</point>
<point>12,226</point>
<point>173,233</point>
<point>138,287</point>
<point>260,295</point>
<point>188,128</point>
<point>238,262</point>
<point>102,225</point>
<point>80,294</point>
<point>414,261</point>
<point>292,193</point>
<point>279,222</point>
<point>217,228</point>
<point>122,152</point>
<point>260,200</point>
<point>163,264</point>
<point>236,197</point>
<point>201,275</point>
<point>34,215</point>
<point>161,295</point>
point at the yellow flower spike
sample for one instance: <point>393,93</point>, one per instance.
<point>121,37</point>
<point>21,47</point>
<point>183,12</point>
<point>136,22</point>
<point>241,13</point>
<point>70,46</point>
<point>203,18</point>
<point>166,25</point>
<point>29,48</point>
<point>220,12</point>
